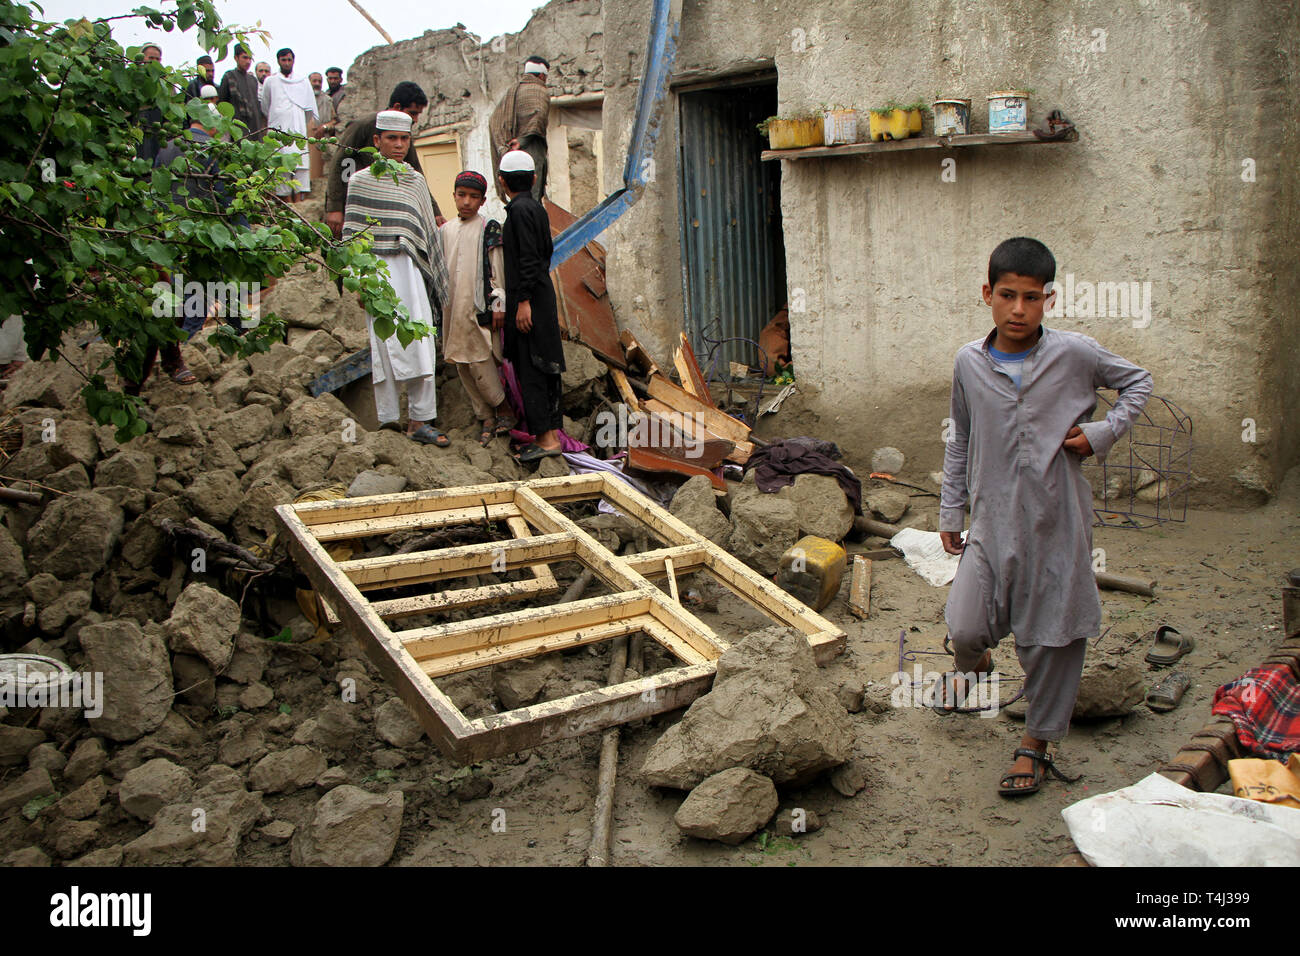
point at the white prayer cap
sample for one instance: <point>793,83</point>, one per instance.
<point>394,121</point>
<point>517,161</point>
<point>209,92</point>
<point>533,67</point>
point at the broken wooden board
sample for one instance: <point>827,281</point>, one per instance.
<point>860,588</point>
<point>412,658</point>
<point>637,356</point>
<point>655,461</point>
<point>688,370</point>
<point>581,300</point>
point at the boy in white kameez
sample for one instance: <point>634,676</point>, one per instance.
<point>406,238</point>
<point>474,314</point>
<point>1022,404</point>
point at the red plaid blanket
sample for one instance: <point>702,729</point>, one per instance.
<point>1264,703</point>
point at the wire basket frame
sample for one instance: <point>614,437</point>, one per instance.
<point>1146,478</point>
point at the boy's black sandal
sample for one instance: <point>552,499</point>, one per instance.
<point>1042,759</point>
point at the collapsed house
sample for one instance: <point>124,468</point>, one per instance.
<point>1166,209</point>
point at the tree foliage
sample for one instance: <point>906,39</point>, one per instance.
<point>90,234</point>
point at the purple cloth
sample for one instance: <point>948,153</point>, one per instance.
<point>778,464</point>
<point>568,443</point>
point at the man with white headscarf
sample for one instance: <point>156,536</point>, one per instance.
<point>287,102</point>
<point>405,236</point>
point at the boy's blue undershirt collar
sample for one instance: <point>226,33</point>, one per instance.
<point>1012,356</point>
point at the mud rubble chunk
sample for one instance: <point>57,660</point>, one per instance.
<point>768,711</point>
<point>822,506</point>
<point>728,806</point>
<point>696,505</point>
<point>350,827</point>
<point>137,677</point>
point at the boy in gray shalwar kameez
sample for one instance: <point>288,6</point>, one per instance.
<point>1022,403</point>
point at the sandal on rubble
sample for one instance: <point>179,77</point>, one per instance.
<point>428,435</point>
<point>1167,645</point>
<point>1166,694</point>
<point>1042,760</point>
<point>181,375</point>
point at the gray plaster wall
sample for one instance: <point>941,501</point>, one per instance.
<point>890,259</point>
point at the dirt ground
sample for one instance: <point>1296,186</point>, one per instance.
<point>930,795</point>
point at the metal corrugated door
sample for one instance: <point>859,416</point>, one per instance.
<point>733,257</point>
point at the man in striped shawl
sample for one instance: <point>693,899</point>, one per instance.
<point>520,120</point>
<point>405,237</point>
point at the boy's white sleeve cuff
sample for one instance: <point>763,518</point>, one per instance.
<point>1100,437</point>
<point>952,519</point>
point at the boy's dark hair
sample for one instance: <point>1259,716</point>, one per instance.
<point>538,59</point>
<point>240,48</point>
<point>1023,257</point>
<point>519,181</point>
<point>335,69</point>
<point>281,52</point>
<point>204,59</point>
<point>407,93</point>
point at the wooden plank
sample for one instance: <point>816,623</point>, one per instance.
<point>674,644</point>
<point>610,568</point>
<point>462,598</point>
<point>532,647</point>
<point>1026,138</point>
<point>636,353</point>
<point>672,580</point>
<point>860,588</point>
<point>421,521</point>
<point>456,637</point>
<point>698,387</point>
<point>625,389</point>
<point>439,717</point>
<point>585,713</point>
<point>718,422</point>
<point>519,528</point>
<point>650,564</point>
<point>689,425</point>
<point>647,459</point>
<point>417,567</point>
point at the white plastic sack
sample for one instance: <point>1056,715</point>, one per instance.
<point>1156,822</point>
<point>924,554</point>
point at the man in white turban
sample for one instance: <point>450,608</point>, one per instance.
<point>406,237</point>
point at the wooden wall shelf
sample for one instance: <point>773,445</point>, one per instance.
<point>915,142</point>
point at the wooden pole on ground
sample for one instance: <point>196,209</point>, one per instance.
<point>603,818</point>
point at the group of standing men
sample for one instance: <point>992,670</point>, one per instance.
<point>489,284</point>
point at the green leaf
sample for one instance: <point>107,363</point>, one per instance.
<point>284,637</point>
<point>285,709</point>
<point>34,806</point>
<point>22,192</point>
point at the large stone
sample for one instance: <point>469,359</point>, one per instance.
<point>768,711</point>
<point>74,443</point>
<point>137,677</point>
<point>520,683</point>
<point>1111,686</point>
<point>888,460</point>
<point>887,504</point>
<point>763,527</point>
<point>130,468</point>
<point>205,830</point>
<point>315,417</point>
<point>13,569</point>
<point>153,785</point>
<point>34,783</point>
<point>228,391</point>
<point>84,802</point>
<point>16,743</point>
<point>728,806</point>
<point>214,496</point>
<point>375,483</point>
<point>87,761</point>
<point>821,505</point>
<point>67,607</point>
<point>242,742</point>
<point>245,426</point>
<point>350,828</point>
<point>75,536</point>
<point>287,770</point>
<point>696,505</point>
<point>204,622</point>
<point>395,724</point>
<point>178,425</point>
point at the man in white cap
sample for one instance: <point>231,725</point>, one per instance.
<point>532,324</point>
<point>519,122</point>
<point>290,106</point>
<point>406,237</point>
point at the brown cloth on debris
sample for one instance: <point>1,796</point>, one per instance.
<point>778,464</point>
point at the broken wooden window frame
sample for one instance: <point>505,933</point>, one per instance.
<point>411,660</point>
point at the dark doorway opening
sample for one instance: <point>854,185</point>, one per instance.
<point>733,253</point>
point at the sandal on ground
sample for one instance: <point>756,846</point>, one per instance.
<point>1042,761</point>
<point>504,426</point>
<point>428,435</point>
<point>1166,694</point>
<point>535,452</point>
<point>945,692</point>
<point>487,433</point>
<point>181,375</point>
<point>1168,646</point>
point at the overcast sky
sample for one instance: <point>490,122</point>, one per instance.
<point>322,33</point>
